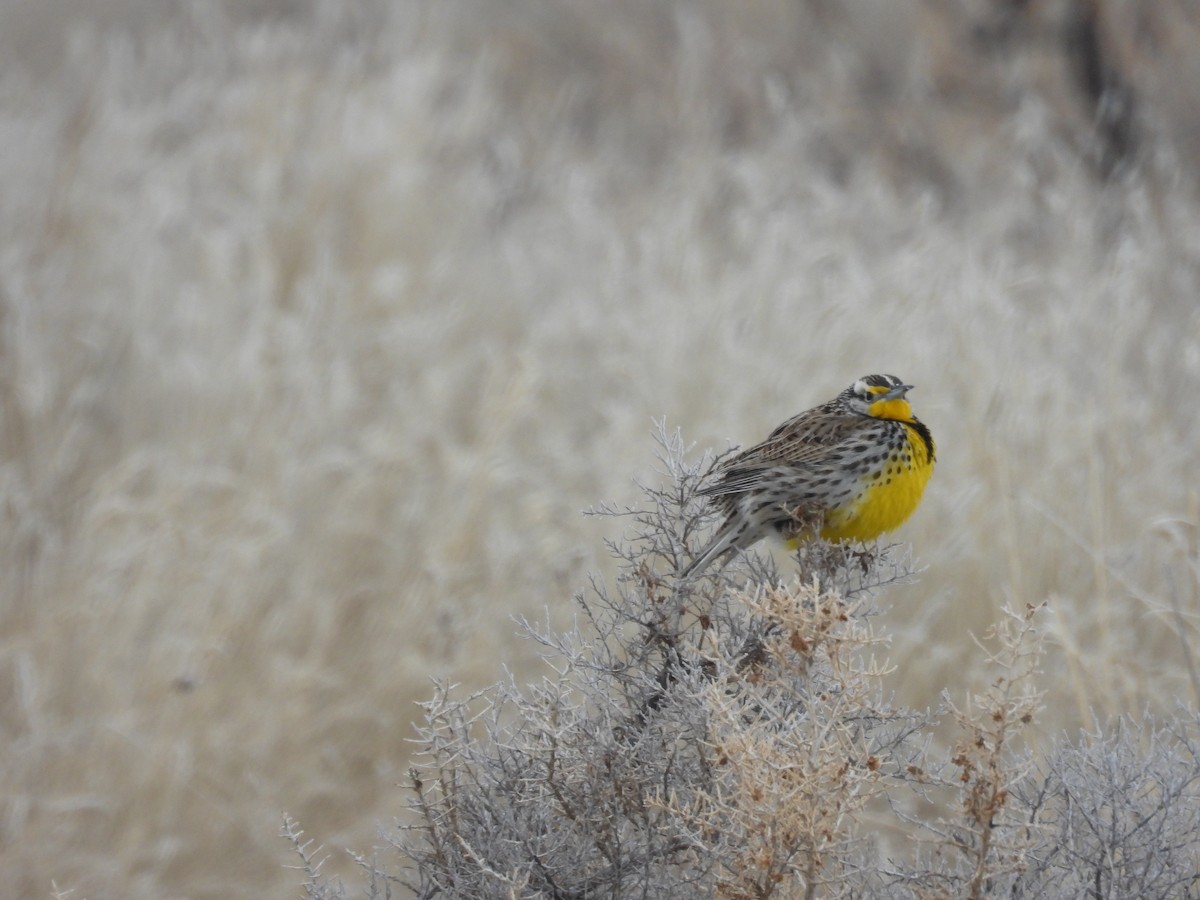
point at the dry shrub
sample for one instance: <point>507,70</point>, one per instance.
<point>730,738</point>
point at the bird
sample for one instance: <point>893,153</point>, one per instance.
<point>852,468</point>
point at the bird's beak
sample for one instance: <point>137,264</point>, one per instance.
<point>896,393</point>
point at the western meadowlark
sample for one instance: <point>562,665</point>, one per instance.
<point>849,469</point>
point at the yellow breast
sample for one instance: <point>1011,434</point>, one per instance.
<point>887,500</point>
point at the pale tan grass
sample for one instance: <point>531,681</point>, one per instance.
<point>319,332</point>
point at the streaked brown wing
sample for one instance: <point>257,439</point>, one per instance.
<point>807,441</point>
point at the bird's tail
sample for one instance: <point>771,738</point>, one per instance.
<point>723,541</point>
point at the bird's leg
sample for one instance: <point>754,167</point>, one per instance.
<point>801,524</point>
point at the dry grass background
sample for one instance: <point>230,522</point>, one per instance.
<point>321,323</point>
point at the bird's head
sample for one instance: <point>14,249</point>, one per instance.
<point>879,396</point>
